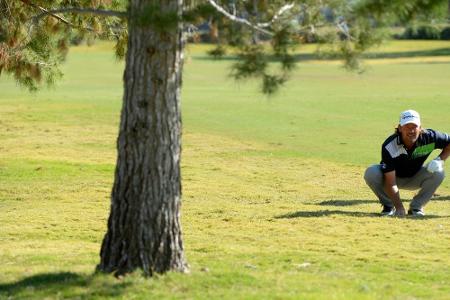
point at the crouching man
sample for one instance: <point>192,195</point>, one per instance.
<point>402,157</point>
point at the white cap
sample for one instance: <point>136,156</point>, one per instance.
<point>409,116</point>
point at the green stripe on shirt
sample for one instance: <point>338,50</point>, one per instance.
<point>423,150</point>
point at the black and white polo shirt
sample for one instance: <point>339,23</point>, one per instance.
<point>406,163</point>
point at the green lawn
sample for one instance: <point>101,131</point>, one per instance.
<point>274,203</point>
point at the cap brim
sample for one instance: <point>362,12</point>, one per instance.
<point>410,122</point>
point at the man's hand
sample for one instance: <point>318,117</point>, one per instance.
<point>391,189</point>
<point>436,165</point>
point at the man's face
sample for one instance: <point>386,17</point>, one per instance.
<point>410,133</point>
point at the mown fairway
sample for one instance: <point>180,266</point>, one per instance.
<point>274,204</point>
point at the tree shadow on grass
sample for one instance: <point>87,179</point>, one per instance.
<point>63,285</point>
<point>327,213</point>
<point>343,202</point>
<point>440,198</point>
<point>353,202</point>
<point>404,54</point>
<point>371,55</point>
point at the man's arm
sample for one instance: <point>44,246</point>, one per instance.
<point>391,189</point>
<point>445,152</point>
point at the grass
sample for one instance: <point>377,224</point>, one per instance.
<point>274,204</point>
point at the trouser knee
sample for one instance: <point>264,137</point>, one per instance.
<point>373,175</point>
<point>438,177</point>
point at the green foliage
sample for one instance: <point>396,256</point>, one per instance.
<point>34,43</point>
<point>254,56</point>
<point>349,55</point>
<point>271,83</point>
<point>218,52</point>
<point>252,62</point>
<point>445,33</point>
<point>402,11</point>
<point>199,13</point>
<point>422,32</point>
<point>283,44</point>
<point>121,45</point>
<point>235,35</point>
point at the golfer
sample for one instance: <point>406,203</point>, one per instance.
<point>402,157</point>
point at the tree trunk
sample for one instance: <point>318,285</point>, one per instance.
<point>144,224</point>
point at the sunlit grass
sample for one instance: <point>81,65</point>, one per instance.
<point>274,204</point>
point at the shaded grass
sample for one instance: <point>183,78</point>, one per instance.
<point>64,285</point>
<point>390,50</point>
<point>274,204</point>
<point>303,57</point>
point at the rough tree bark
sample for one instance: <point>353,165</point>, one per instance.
<point>144,224</point>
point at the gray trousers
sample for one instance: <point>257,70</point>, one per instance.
<point>424,181</point>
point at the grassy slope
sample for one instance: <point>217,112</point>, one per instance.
<point>274,201</point>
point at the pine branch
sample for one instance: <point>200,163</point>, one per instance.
<point>237,19</point>
<point>4,8</point>
<point>281,11</point>
<point>99,12</point>
<point>54,12</point>
<point>27,2</point>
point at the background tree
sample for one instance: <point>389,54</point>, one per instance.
<point>144,224</point>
